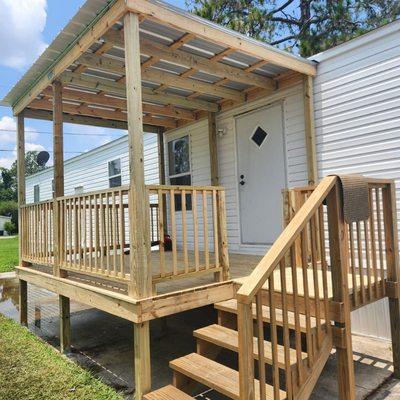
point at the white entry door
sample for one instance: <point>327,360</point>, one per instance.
<point>261,174</point>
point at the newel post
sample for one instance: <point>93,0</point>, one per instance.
<point>246,361</point>
<point>339,257</point>
<point>140,285</point>
<point>392,265</point>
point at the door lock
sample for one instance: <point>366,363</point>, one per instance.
<point>242,182</point>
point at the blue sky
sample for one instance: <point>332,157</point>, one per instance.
<point>35,23</point>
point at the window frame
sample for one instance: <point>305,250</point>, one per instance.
<point>115,175</point>
<point>36,187</point>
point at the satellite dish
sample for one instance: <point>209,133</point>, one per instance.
<point>42,158</point>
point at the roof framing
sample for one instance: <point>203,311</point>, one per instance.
<point>181,82</point>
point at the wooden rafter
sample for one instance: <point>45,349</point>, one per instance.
<point>120,104</point>
<point>113,87</point>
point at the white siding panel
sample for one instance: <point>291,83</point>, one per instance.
<point>357,119</point>
<point>91,170</point>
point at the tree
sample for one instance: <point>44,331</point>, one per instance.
<point>303,26</point>
<point>9,180</point>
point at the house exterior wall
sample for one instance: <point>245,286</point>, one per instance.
<point>295,154</point>
<point>357,120</point>
<point>90,170</point>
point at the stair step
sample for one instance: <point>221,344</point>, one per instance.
<point>167,393</point>
<point>230,306</point>
<point>216,376</point>
<point>228,339</point>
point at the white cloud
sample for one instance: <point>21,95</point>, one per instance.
<point>21,26</point>
<point>8,138</point>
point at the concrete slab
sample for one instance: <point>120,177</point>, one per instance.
<point>389,391</point>
<point>103,344</point>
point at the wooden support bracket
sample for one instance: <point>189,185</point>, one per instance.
<point>339,337</point>
<point>392,290</point>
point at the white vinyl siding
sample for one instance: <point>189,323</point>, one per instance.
<point>357,120</point>
<point>90,170</point>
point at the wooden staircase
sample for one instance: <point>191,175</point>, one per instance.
<point>203,368</point>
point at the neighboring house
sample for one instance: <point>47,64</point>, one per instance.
<point>262,147</point>
<point>103,167</point>
<point>3,220</point>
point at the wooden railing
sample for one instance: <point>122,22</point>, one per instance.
<point>36,233</point>
<point>197,231</point>
<point>298,293</point>
<point>94,232</point>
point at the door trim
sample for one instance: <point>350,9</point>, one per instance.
<point>282,103</point>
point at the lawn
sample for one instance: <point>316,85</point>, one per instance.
<point>31,370</point>
<point>8,253</point>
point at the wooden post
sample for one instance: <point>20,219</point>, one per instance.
<point>392,265</point>
<point>339,255</point>
<point>310,130</point>
<point>23,287</point>
<point>223,236</point>
<point>141,279</point>
<point>58,153</point>
<point>162,175</point>
<point>212,142</point>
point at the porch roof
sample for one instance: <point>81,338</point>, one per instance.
<point>190,66</point>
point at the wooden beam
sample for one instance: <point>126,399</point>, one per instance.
<point>45,104</point>
<point>198,63</point>
<point>338,249</point>
<point>90,36</point>
<point>105,85</point>
<point>212,143</point>
<point>392,262</point>
<point>164,78</point>
<point>204,29</point>
<point>141,275</point>
<point>308,90</point>
<point>58,140</point>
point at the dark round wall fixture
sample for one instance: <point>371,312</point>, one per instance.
<point>42,158</point>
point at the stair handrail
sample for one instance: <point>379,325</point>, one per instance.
<point>270,261</point>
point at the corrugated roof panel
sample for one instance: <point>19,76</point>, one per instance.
<point>161,30</point>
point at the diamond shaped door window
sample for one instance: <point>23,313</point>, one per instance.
<point>259,136</point>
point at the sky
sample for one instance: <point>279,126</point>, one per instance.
<point>31,26</point>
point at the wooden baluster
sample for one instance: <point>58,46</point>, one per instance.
<point>96,232</point>
<point>294,255</point>
<point>195,230</point>
<point>90,253</point>
<point>215,228</point>
<point>173,232</point>
<point>324,267</point>
<point>246,361</point>
<point>121,234</point>
<point>353,265</point>
<point>304,264</point>
<point>84,233</point>
<point>286,332</point>
<point>184,232</point>
<point>71,220</point>
<point>360,262</point>
<point>274,337</point>
<point>114,233</point>
<point>107,233</point>
<point>161,225</point>
<point>368,259</point>
<point>314,261</point>
<point>205,230</point>
<point>373,240</point>
<point>380,238</point>
<point>260,345</point>
<point>102,234</point>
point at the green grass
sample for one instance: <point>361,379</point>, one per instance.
<point>8,253</point>
<point>31,370</point>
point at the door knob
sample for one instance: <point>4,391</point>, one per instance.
<point>242,182</point>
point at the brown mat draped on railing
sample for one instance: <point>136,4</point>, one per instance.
<point>355,197</point>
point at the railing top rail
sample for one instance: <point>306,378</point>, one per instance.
<point>187,188</point>
<point>124,188</point>
<point>38,203</point>
<point>268,263</point>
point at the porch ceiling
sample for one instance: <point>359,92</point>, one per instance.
<point>184,74</point>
